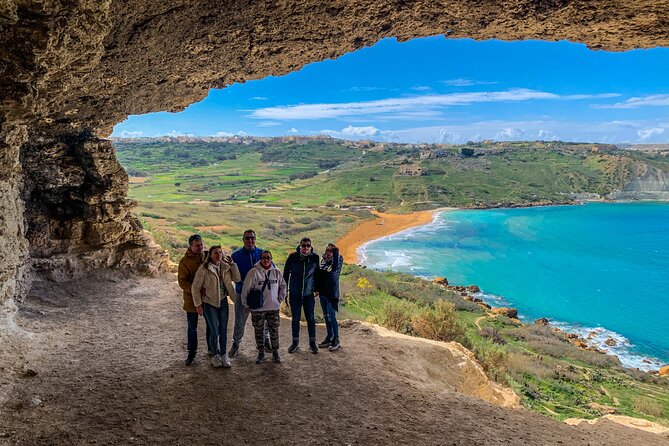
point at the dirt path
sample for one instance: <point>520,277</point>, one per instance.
<point>108,358</point>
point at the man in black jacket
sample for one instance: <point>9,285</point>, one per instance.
<point>300,275</point>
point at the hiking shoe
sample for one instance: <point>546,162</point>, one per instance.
<point>190,358</point>
<point>261,357</point>
<point>233,350</point>
<point>268,345</point>
<point>226,361</point>
<point>335,345</point>
<point>293,347</point>
<point>216,361</point>
<point>313,347</point>
<point>275,356</point>
<point>326,343</point>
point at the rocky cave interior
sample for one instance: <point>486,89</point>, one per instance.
<point>73,69</point>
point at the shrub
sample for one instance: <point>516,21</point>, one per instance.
<point>493,334</point>
<point>492,357</point>
<point>396,315</point>
<point>439,323</point>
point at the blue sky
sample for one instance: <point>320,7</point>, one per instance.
<point>444,90</point>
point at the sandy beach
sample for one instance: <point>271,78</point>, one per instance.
<point>383,225</point>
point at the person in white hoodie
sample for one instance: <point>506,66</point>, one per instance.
<point>263,291</point>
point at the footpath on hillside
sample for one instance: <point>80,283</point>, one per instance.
<point>100,361</point>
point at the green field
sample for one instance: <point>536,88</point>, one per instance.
<point>285,190</point>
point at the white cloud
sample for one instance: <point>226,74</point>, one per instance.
<point>268,124</point>
<point>242,133</point>
<point>175,133</point>
<point>652,100</point>
<point>404,104</point>
<point>460,82</point>
<point>546,135</point>
<point>364,132</point>
<point>127,134</point>
<point>510,134</point>
<point>645,134</point>
<point>292,130</point>
<point>364,89</point>
<point>258,98</point>
<point>421,88</point>
<point>223,134</point>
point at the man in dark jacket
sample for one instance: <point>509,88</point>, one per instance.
<point>328,287</point>
<point>188,266</point>
<point>245,257</point>
<point>300,275</point>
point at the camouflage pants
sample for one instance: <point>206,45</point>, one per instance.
<point>258,319</point>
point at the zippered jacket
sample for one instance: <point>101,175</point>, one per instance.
<point>300,274</point>
<point>275,291</point>
<point>216,282</point>
<point>245,260</point>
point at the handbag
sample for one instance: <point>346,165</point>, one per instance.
<point>255,297</point>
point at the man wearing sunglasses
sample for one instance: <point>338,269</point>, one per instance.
<point>300,275</point>
<point>245,257</point>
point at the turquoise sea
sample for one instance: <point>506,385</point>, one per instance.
<point>598,269</point>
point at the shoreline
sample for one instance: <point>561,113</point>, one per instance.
<point>383,225</point>
<point>388,224</point>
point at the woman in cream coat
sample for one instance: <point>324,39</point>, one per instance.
<point>212,285</point>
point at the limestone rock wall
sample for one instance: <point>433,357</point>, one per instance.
<point>646,182</point>
<point>72,69</point>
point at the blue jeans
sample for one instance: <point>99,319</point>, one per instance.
<point>192,332</point>
<point>296,304</point>
<point>217,319</point>
<point>330,316</point>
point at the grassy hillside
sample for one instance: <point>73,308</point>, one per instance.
<point>287,189</point>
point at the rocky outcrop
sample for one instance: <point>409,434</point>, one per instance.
<point>645,182</point>
<point>73,69</point>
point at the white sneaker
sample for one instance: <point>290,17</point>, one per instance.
<point>226,361</point>
<point>216,361</point>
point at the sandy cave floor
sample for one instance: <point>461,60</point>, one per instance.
<point>109,360</point>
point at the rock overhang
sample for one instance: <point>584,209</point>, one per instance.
<point>73,69</point>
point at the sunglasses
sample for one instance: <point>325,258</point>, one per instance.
<point>304,245</point>
<point>249,238</point>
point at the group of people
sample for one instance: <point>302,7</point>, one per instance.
<point>252,281</point>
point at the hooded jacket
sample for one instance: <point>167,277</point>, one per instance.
<point>188,266</point>
<point>300,274</point>
<point>210,278</point>
<point>275,291</point>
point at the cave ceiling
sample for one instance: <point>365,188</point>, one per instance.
<point>71,66</point>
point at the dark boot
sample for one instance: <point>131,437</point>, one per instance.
<point>326,343</point>
<point>233,350</point>
<point>313,347</point>
<point>190,358</point>
<point>261,357</point>
<point>276,357</point>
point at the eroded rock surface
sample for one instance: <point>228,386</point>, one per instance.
<point>72,69</point>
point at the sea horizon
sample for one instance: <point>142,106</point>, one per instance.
<point>546,244</point>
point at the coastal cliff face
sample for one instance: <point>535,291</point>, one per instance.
<point>645,183</point>
<point>73,69</point>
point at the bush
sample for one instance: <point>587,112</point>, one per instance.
<point>493,334</point>
<point>439,323</point>
<point>396,315</point>
<point>493,358</point>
